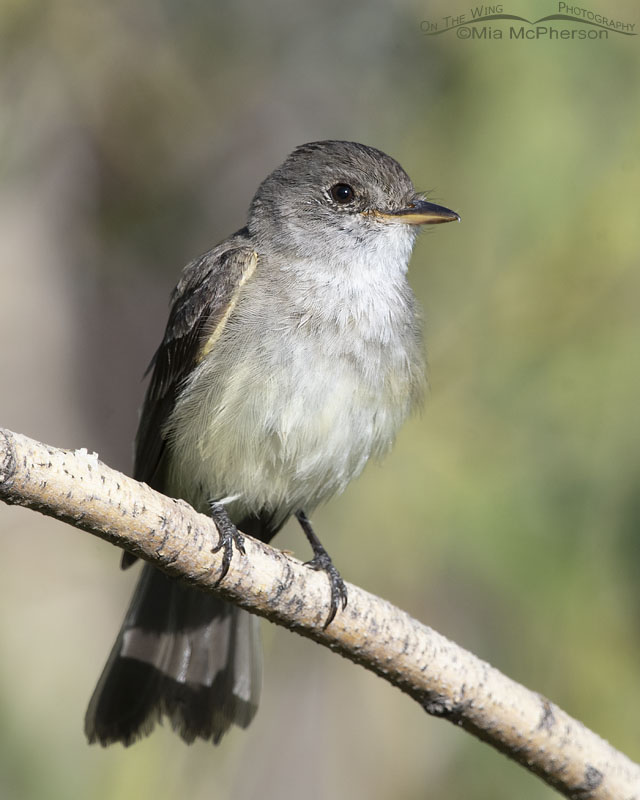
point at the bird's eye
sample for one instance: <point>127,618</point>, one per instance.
<point>342,193</point>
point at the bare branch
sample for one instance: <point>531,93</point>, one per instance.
<point>446,680</point>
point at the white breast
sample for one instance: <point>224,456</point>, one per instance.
<point>313,375</point>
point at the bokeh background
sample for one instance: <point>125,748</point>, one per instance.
<point>132,137</point>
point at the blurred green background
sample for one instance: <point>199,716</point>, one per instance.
<point>508,516</point>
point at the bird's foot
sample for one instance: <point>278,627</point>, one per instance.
<point>322,561</point>
<point>229,535</point>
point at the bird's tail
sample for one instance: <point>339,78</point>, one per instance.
<point>182,654</point>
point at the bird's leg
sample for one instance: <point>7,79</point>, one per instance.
<point>321,560</point>
<point>228,536</point>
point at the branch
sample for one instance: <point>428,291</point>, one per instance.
<point>446,680</point>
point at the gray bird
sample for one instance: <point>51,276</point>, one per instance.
<point>292,355</point>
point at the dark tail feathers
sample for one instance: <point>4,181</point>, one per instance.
<point>182,654</point>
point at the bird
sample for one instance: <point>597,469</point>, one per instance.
<point>292,355</point>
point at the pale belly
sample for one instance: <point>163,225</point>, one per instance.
<point>280,434</point>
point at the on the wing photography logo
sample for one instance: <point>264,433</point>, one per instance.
<point>492,22</point>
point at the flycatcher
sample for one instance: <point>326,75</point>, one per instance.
<point>292,355</point>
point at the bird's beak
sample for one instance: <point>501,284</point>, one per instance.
<point>420,212</point>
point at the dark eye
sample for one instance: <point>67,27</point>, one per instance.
<point>342,193</point>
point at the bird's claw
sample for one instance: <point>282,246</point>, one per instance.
<point>321,561</point>
<point>228,536</point>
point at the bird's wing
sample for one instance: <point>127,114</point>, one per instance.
<point>201,305</point>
